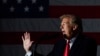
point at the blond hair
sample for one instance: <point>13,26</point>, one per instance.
<point>74,20</point>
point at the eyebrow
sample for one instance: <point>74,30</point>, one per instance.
<point>65,22</point>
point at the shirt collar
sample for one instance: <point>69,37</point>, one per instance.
<point>71,40</point>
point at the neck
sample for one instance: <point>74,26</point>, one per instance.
<point>70,37</point>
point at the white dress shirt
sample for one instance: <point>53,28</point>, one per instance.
<point>28,53</point>
<point>71,42</point>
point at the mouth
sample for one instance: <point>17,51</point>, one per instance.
<point>63,32</point>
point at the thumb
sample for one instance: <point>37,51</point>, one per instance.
<point>32,42</point>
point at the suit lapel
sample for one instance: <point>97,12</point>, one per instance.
<point>75,46</point>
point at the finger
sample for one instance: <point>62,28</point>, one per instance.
<point>23,38</point>
<point>32,42</point>
<point>26,32</point>
<point>28,35</point>
<point>25,35</point>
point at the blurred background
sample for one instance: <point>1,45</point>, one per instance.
<point>41,19</point>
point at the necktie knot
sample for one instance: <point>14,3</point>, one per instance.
<point>68,41</point>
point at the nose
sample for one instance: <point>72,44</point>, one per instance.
<point>62,28</point>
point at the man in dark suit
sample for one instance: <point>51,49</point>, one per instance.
<point>77,44</point>
<point>80,45</point>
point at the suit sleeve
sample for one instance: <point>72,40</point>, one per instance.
<point>92,48</point>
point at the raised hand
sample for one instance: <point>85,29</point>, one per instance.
<point>27,43</point>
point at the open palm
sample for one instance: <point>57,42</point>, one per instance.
<point>27,43</point>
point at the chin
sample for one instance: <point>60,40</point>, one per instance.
<point>63,33</point>
<point>66,37</point>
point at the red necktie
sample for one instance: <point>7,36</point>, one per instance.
<point>67,49</point>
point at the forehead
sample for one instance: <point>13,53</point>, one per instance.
<point>67,19</point>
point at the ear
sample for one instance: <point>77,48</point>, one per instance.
<point>75,27</point>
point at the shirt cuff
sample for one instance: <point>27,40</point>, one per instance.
<point>29,53</point>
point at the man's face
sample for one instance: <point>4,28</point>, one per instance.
<point>67,27</point>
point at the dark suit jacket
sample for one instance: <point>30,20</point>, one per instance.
<point>82,46</point>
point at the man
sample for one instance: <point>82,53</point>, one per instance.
<point>72,44</point>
